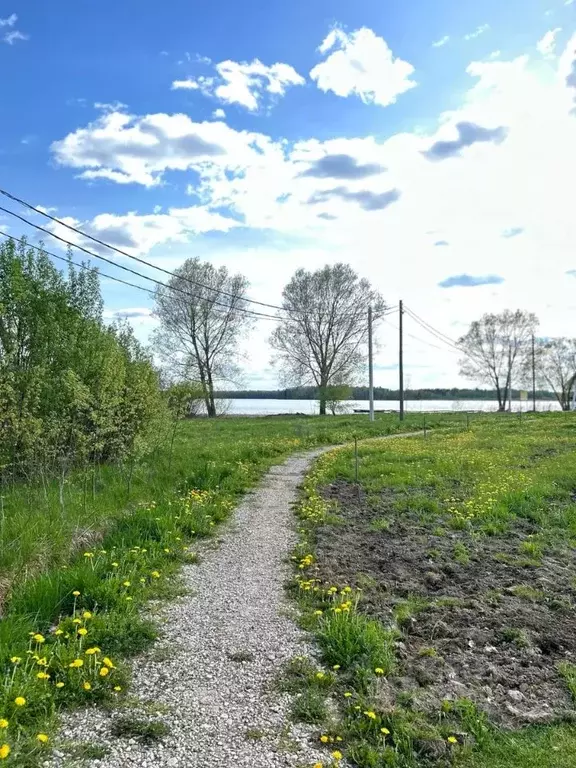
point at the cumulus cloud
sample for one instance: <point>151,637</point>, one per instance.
<point>512,232</point>
<point>547,44</point>
<point>470,281</point>
<point>468,134</point>
<point>342,167</point>
<point>477,32</point>
<point>441,42</point>
<point>367,200</point>
<point>362,64</point>
<point>219,114</point>
<point>127,149</point>
<point>244,83</point>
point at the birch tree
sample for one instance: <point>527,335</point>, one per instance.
<point>323,329</point>
<point>202,320</point>
<point>495,348</point>
<point>556,368</point>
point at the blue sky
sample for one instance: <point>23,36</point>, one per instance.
<point>430,143</point>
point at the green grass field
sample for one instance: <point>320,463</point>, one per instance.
<point>75,575</point>
<point>443,586</point>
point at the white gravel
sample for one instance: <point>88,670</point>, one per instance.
<point>208,701</point>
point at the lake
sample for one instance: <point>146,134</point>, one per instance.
<point>247,407</point>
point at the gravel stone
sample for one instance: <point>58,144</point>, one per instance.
<point>237,604</point>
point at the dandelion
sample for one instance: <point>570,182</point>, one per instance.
<point>108,662</point>
<point>76,621</point>
<point>42,737</point>
<point>16,659</point>
<point>126,584</point>
<point>4,723</point>
<point>82,631</point>
<point>59,632</point>
<point>337,755</point>
<point>324,739</point>
<point>320,675</point>
<point>128,598</point>
<point>86,685</point>
<point>317,765</point>
<point>104,671</point>
<point>43,676</point>
<point>117,688</point>
<point>379,671</point>
<point>60,684</point>
<point>385,731</point>
<point>4,751</point>
<point>20,701</point>
<point>318,613</point>
<point>114,565</point>
<point>88,554</point>
<point>76,664</point>
<point>452,740</point>
<point>86,615</point>
<point>39,639</point>
<point>76,593</point>
<point>370,714</point>
<point>155,574</point>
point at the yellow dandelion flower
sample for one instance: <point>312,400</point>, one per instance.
<point>82,631</point>
<point>385,731</point>
<point>370,714</point>
<point>128,598</point>
<point>337,755</point>
<point>86,685</point>
<point>318,613</point>
<point>43,676</point>
<point>4,751</point>
<point>60,685</point>
<point>92,651</point>
<point>59,632</point>
<point>348,694</point>
<point>104,671</point>
<point>76,664</point>
<point>4,723</point>
<point>42,737</point>
<point>320,675</point>
<point>126,584</point>
<point>324,739</point>
<point>379,671</point>
<point>76,621</point>
<point>20,701</point>
<point>117,688</point>
<point>317,765</point>
<point>88,554</point>
<point>114,565</point>
<point>76,593</point>
<point>452,740</point>
<point>155,574</point>
<point>108,662</point>
<point>16,659</point>
<point>39,639</point>
<point>86,615</point>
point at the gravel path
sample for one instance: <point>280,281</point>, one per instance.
<point>236,605</point>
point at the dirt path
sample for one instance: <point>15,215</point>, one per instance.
<point>221,711</point>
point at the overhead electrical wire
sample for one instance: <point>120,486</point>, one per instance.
<point>125,253</point>
<point>133,271</point>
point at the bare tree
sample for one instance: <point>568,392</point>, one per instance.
<point>495,347</point>
<point>322,334</point>
<point>556,367</point>
<point>202,317</point>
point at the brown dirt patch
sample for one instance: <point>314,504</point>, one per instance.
<point>488,624</point>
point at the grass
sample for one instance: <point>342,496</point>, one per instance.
<point>146,731</point>
<point>119,540</point>
<point>502,478</point>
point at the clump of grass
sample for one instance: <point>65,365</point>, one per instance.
<point>309,707</point>
<point>351,639</point>
<point>381,524</point>
<point>528,593</point>
<point>461,554</point>
<point>147,731</point>
<point>241,656</point>
<point>568,672</point>
<point>254,734</point>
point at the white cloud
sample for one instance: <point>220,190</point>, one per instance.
<point>10,21</point>
<point>477,32</point>
<point>244,83</point>
<point>13,36</point>
<point>546,45</point>
<point>362,64</point>
<point>219,114</point>
<point>441,42</point>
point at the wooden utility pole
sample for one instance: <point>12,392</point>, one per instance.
<point>401,361</point>
<point>533,374</point>
<point>370,365</point>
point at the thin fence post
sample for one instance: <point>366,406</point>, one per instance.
<point>356,460</point>
<point>425,433</point>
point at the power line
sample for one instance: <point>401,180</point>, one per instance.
<point>434,331</point>
<point>124,253</point>
<point>130,270</point>
<point>417,338</point>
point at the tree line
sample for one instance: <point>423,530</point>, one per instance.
<point>73,389</point>
<point>319,343</point>
<point>380,393</point>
